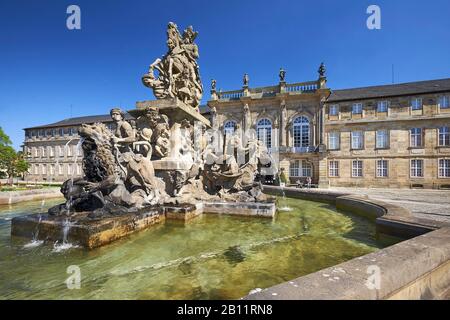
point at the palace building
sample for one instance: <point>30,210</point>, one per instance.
<point>53,150</point>
<point>391,136</point>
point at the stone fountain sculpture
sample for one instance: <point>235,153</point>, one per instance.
<point>166,157</point>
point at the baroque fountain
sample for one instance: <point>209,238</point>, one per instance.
<point>169,162</point>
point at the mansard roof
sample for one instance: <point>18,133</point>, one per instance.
<point>393,90</point>
<point>77,121</point>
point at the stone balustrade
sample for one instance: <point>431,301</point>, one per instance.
<point>300,87</point>
<point>310,86</point>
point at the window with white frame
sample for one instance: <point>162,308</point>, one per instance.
<point>382,168</point>
<point>444,137</point>
<point>357,108</point>
<point>229,127</point>
<point>334,138</point>
<point>444,102</point>
<point>357,168</point>
<point>80,151</point>
<point>44,169</point>
<point>264,132</point>
<point>301,132</point>
<point>382,106</point>
<point>300,168</point>
<point>52,169</point>
<point>333,168</point>
<point>357,140</point>
<point>35,152</point>
<point>416,137</point>
<point>69,169</point>
<point>43,152</point>
<point>334,110</point>
<point>51,151</point>
<point>60,169</point>
<point>60,151</point>
<point>68,150</point>
<point>444,168</point>
<point>416,168</point>
<point>382,139</point>
<point>416,104</point>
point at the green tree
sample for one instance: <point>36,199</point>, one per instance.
<point>12,162</point>
<point>4,139</point>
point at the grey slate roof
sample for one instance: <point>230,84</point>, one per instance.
<point>410,88</point>
<point>91,119</point>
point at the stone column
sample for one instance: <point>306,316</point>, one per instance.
<point>283,131</point>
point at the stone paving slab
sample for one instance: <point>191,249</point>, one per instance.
<point>425,204</point>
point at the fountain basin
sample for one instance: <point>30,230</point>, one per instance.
<point>92,233</point>
<point>84,231</point>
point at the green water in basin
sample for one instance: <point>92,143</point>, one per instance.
<point>212,257</point>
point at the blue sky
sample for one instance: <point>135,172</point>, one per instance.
<point>46,68</point>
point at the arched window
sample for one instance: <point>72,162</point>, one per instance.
<point>301,132</point>
<point>300,168</point>
<point>229,127</point>
<point>264,132</point>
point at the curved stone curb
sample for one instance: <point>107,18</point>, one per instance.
<point>418,268</point>
<point>29,195</point>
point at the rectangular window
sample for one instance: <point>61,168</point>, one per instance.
<point>444,102</point>
<point>357,140</point>
<point>36,168</point>
<point>334,140</point>
<point>78,169</point>
<point>357,168</point>
<point>61,132</point>
<point>69,169</point>
<point>51,151</point>
<point>43,152</point>
<point>416,137</point>
<point>35,152</point>
<point>334,110</point>
<point>333,168</point>
<point>382,139</point>
<point>300,168</point>
<point>60,169</point>
<point>444,137</point>
<point>68,150</point>
<point>52,169</point>
<point>416,104</point>
<point>382,168</point>
<point>382,106</point>
<point>416,168</point>
<point>357,108</point>
<point>444,168</point>
<point>44,169</point>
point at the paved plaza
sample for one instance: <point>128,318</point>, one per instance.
<point>426,204</point>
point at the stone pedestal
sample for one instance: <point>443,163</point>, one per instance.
<point>81,230</point>
<point>174,168</point>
